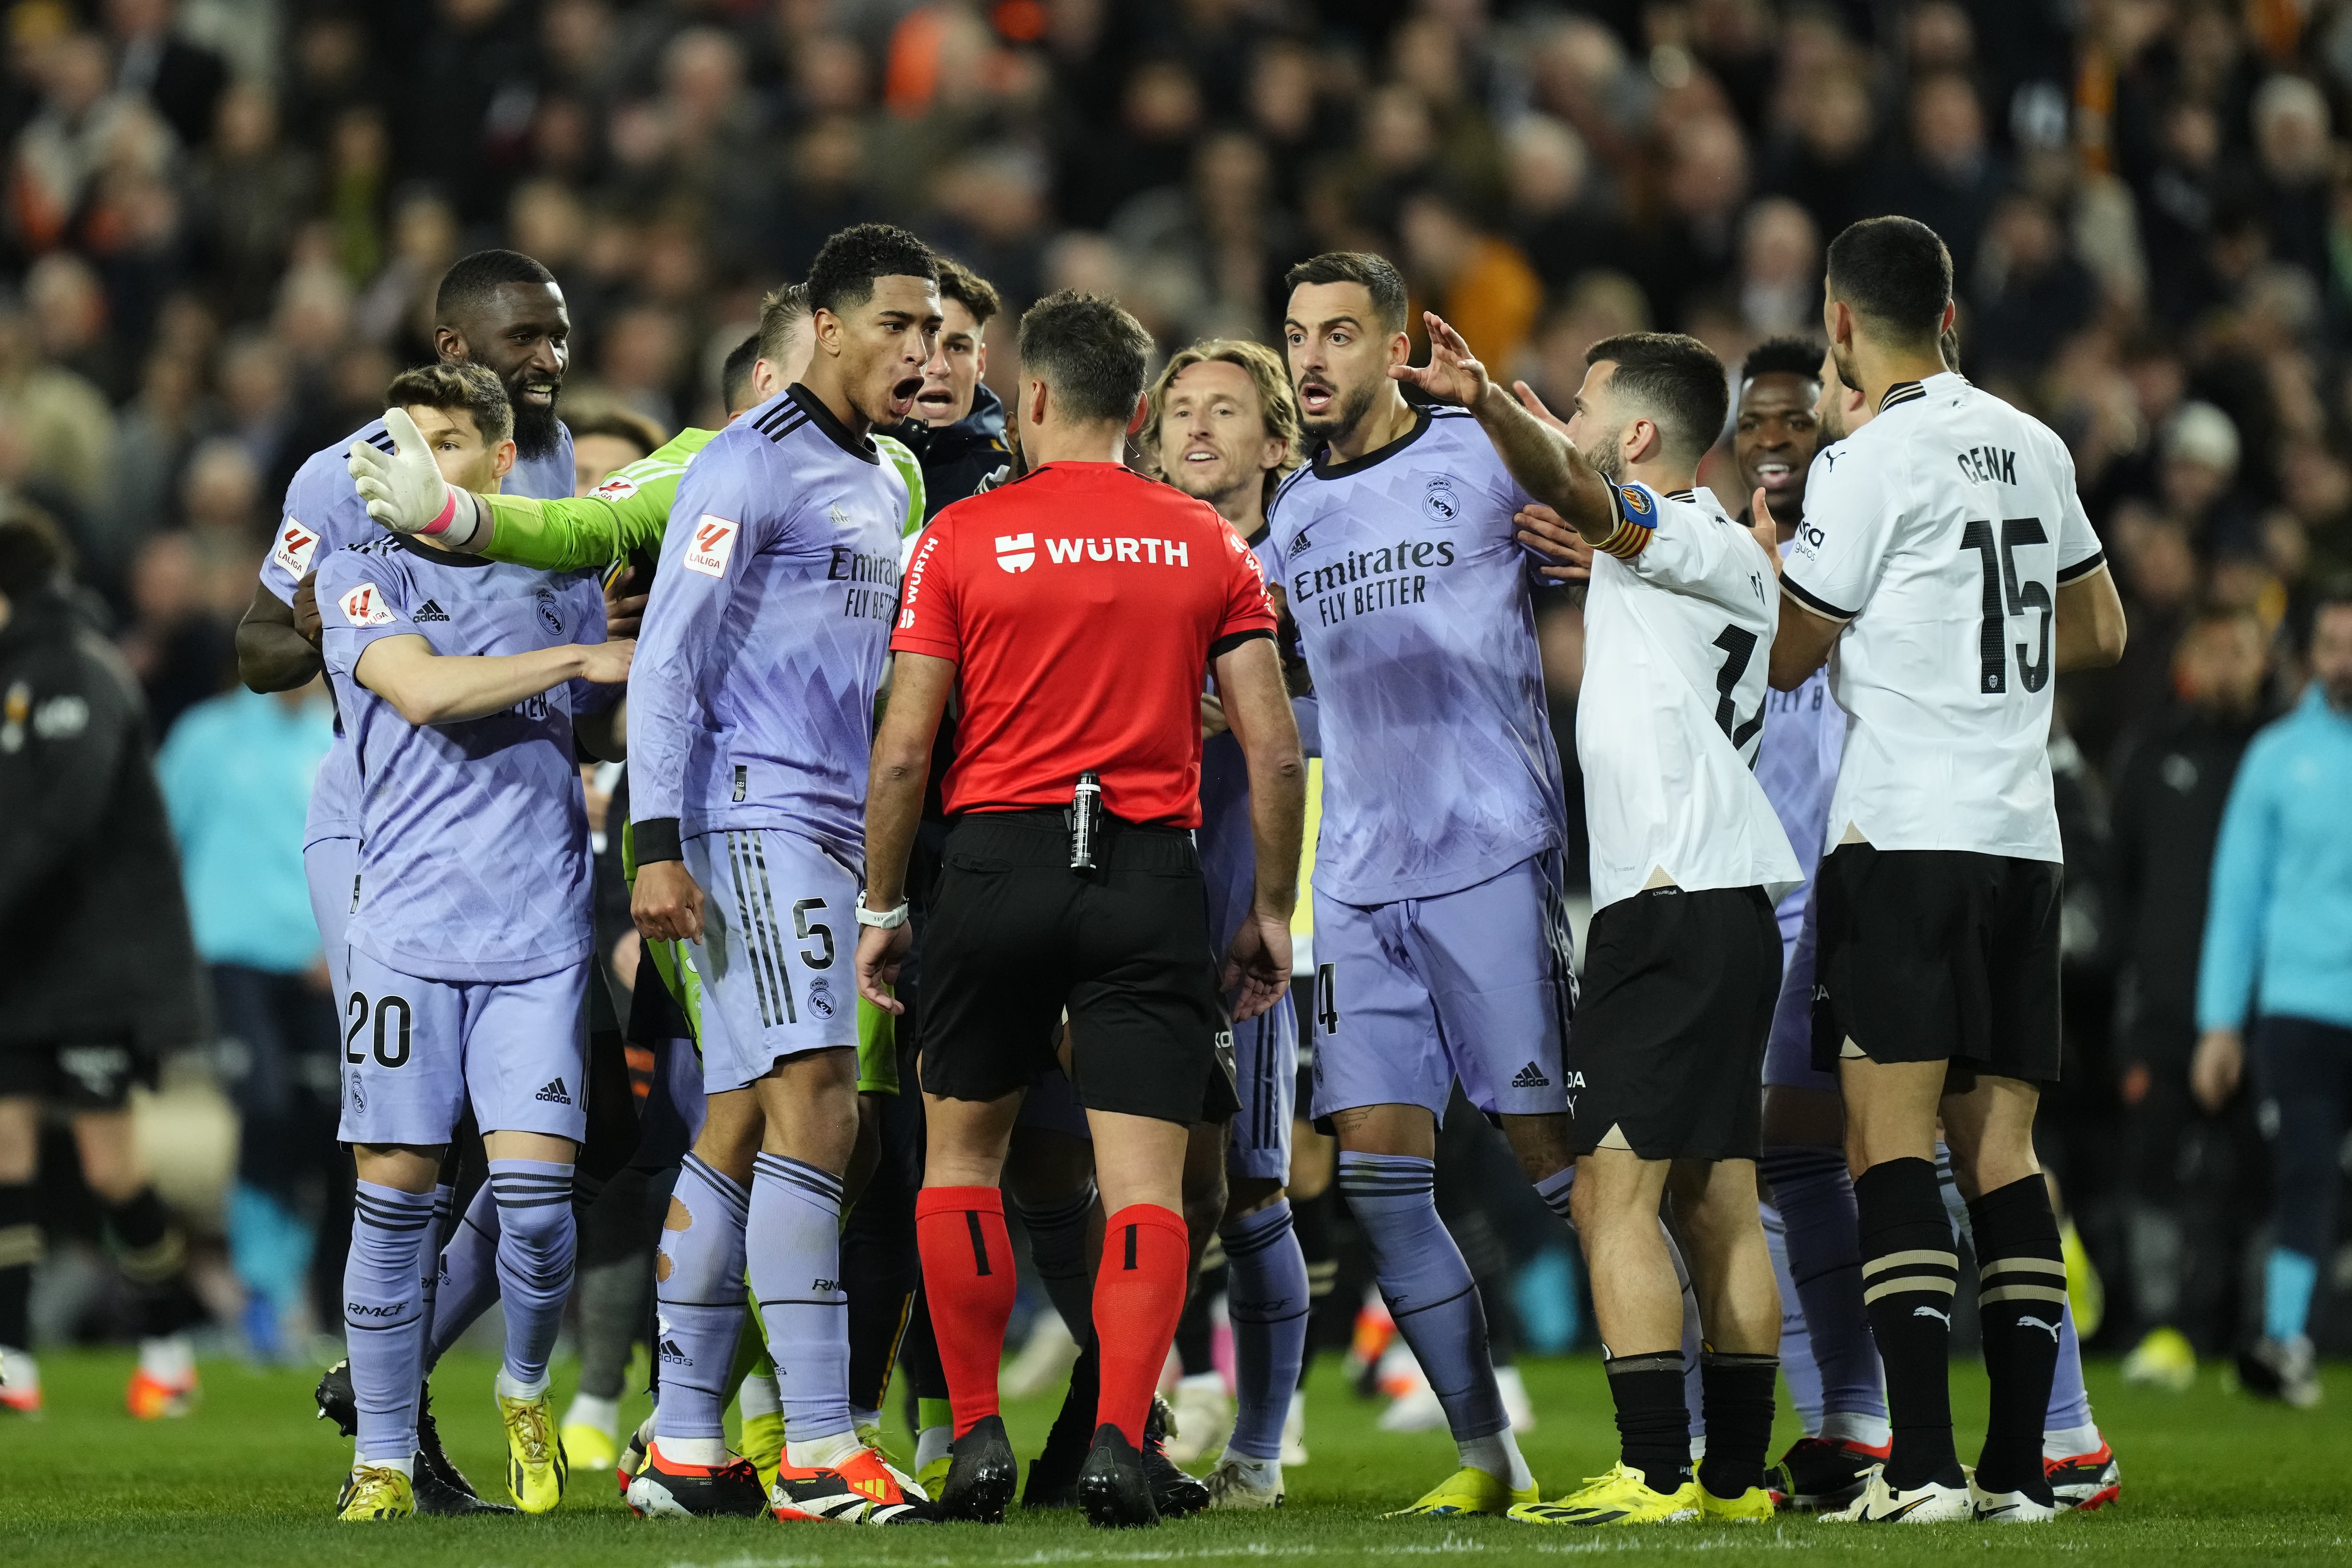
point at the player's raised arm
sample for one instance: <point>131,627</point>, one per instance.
<point>1544,461</point>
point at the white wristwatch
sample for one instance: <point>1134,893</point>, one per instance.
<point>889,920</point>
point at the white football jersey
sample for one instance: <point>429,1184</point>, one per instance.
<point>1941,533</point>
<point>1677,642</point>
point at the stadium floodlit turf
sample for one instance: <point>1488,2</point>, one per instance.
<point>247,1480</point>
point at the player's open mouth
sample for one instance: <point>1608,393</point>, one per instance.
<point>903,393</point>
<point>935,400</point>
<point>1201,454</point>
<point>1313,396</point>
<point>542,392</point>
<point>1774,475</point>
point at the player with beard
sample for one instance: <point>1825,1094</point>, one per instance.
<point>764,648</point>
<point>502,310</point>
<point>1685,961</point>
<point>1441,939</point>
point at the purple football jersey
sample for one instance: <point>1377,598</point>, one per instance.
<point>324,514</point>
<point>751,700</point>
<point>1796,763</point>
<point>474,836</point>
<point>1227,842</point>
<point>1414,606</point>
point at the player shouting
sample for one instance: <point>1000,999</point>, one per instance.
<point>1441,945</point>
<point>765,641</point>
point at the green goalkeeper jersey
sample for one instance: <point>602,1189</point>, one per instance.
<point>630,509</point>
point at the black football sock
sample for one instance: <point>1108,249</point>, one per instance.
<point>1310,1221</point>
<point>20,1248</point>
<point>1653,1422</point>
<point>1736,1394</point>
<point>154,1256</point>
<point>1910,1271</point>
<point>2021,1300</point>
<point>880,1270</point>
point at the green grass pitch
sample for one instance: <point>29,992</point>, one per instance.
<point>246,1482</point>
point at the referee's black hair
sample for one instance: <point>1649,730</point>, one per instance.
<point>1671,379</point>
<point>1894,272</point>
<point>471,281</point>
<point>1377,274</point>
<point>735,375</point>
<point>1090,352</point>
<point>842,276</point>
<point>1782,356</point>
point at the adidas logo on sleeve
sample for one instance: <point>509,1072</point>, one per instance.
<point>1531,1076</point>
<point>554,1093</point>
<point>430,610</point>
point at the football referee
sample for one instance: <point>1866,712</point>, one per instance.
<point>1074,615</point>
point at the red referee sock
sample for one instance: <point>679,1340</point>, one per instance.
<point>968,1281</point>
<point>1146,1263</point>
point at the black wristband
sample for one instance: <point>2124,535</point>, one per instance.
<point>655,839</point>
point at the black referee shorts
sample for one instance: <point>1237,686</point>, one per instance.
<point>1016,936</point>
<point>1667,1051</point>
<point>1938,955</point>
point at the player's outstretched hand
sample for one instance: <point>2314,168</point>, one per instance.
<point>1767,531</point>
<point>666,904</point>
<point>1542,529</point>
<point>1453,374</point>
<point>1259,963</point>
<point>880,953</point>
<point>607,662</point>
<point>404,488</point>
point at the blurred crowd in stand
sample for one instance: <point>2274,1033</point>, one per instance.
<point>225,219</point>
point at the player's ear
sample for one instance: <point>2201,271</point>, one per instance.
<point>1400,347</point>
<point>980,356</point>
<point>1836,319</point>
<point>502,459</point>
<point>1037,400</point>
<point>1643,440</point>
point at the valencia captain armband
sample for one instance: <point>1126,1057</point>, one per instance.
<point>1637,521</point>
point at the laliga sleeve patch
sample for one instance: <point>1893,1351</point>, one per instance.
<point>620,487</point>
<point>364,606</point>
<point>295,547</point>
<point>712,545</point>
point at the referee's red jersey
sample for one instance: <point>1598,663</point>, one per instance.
<point>1082,605</point>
